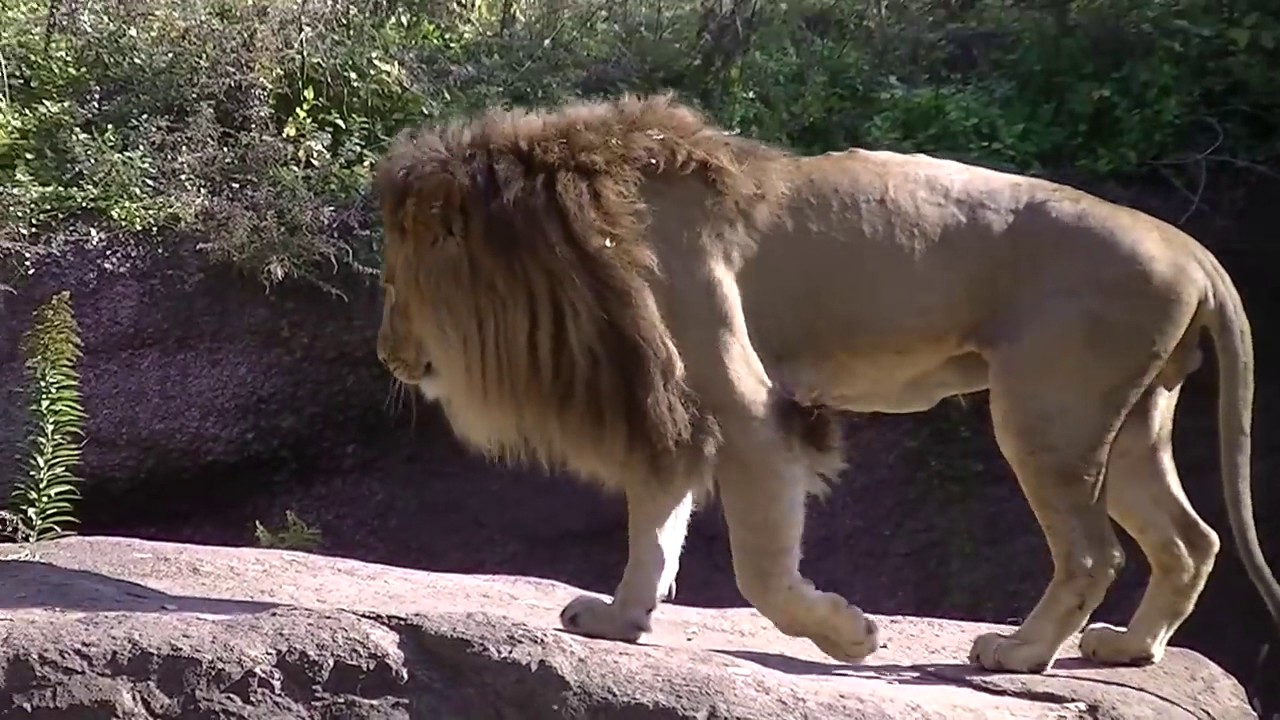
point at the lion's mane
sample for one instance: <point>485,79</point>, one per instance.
<point>523,235</point>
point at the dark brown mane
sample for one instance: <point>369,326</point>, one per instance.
<point>547,288</point>
<point>609,146</point>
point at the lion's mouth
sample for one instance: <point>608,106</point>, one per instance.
<point>425,380</point>
<point>424,377</point>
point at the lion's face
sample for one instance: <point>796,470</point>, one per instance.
<point>403,345</point>
<point>402,350</point>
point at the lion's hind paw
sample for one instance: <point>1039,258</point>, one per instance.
<point>1000,652</point>
<point>1111,645</point>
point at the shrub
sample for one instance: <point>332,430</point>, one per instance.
<point>251,126</point>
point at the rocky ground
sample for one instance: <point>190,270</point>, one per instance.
<point>134,630</point>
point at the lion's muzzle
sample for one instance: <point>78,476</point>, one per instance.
<point>422,375</point>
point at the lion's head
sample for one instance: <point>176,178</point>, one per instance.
<point>517,280</point>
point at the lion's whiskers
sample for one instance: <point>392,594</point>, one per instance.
<point>390,401</point>
<point>394,401</point>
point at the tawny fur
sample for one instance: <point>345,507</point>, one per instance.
<point>625,290</point>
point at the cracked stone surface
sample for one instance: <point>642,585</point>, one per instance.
<point>98,627</point>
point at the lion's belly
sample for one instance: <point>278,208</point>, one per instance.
<point>887,382</point>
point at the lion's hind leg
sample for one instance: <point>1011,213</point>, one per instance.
<point>1145,496</point>
<point>657,522</point>
<point>1055,420</point>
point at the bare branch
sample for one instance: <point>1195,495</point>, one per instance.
<point>4,80</point>
<point>564,21</point>
<point>1195,197</point>
<point>1222,136</point>
<point>1200,161</point>
<point>1245,164</point>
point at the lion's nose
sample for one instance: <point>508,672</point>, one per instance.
<point>428,369</point>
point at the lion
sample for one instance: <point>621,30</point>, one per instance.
<point>622,289</point>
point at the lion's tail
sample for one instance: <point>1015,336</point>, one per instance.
<point>1228,325</point>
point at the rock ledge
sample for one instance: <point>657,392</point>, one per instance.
<point>99,627</point>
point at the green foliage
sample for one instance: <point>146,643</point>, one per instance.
<point>251,126</point>
<point>41,505</point>
<point>1104,87</point>
<point>295,535</point>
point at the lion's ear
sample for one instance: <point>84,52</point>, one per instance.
<point>433,208</point>
<point>449,206</point>
<point>421,189</point>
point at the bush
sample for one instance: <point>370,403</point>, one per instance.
<point>252,125</point>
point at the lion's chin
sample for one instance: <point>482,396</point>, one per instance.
<point>431,388</point>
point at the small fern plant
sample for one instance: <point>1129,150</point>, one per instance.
<point>296,535</point>
<point>42,504</point>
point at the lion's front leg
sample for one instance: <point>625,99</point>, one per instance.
<point>762,489</point>
<point>657,521</point>
<point>764,472</point>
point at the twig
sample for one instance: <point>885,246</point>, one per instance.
<point>1222,135</point>
<point>1204,176</point>
<point>1194,197</point>
<point>4,80</point>
<point>1208,154</point>
<point>564,21</point>
<point>1201,161</point>
<point>302,45</point>
<point>1246,164</point>
<point>50,23</point>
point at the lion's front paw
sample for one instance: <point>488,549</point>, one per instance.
<point>996,651</point>
<point>842,630</point>
<point>594,617</point>
<point>1103,643</point>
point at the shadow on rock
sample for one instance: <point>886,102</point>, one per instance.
<point>1068,679</point>
<point>33,584</point>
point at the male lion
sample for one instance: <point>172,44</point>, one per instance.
<point>625,290</point>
